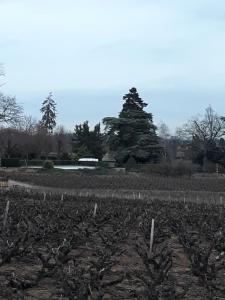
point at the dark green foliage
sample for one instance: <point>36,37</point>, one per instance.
<point>222,152</point>
<point>32,162</point>
<point>86,142</point>
<point>48,110</point>
<point>198,151</point>
<point>133,134</point>
<point>213,151</point>
<point>10,162</point>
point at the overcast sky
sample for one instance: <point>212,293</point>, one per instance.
<point>90,52</point>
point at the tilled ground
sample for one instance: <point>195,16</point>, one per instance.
<point>77,248</point>
<point>73,180</point>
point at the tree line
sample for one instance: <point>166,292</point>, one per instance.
<point>132,137</point>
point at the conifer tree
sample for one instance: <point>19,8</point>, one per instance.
<point>48,110</point>
<point>132,136</point>
<point>87,142</point>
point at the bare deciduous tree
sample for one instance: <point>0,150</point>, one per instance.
<point>209,128</point>
<point>10,110</point>
<point>61,140</point>
<point>27,124</point>
<point>163,131</point>
<point>164,135</point>
<point>9,141</point>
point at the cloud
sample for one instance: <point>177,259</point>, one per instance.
<point>167,48</point>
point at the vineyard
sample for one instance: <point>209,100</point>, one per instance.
<point>64,247</point>
<point>120,182</point>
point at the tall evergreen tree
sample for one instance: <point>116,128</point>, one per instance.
<point>48,110</point>
<point>133,135</point>
<point>87,142</point>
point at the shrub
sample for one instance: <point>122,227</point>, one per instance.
<point>131,163</point>
<point>175,169</point>
<point>48,164</point>
<point>182,169</point>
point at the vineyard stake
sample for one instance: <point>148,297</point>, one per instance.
<point>217,170</point>
<point>197,199</point>
<point>221,206</point>
<point>95,210</point>
<point>6,214</point>
<point>151,237</point>
<point>44,196</point>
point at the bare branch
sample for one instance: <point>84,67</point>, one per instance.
<point>10,110</point>
<point>209,128</point>
<point>27,124</point>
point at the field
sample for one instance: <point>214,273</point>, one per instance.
<point>126,186</point>
<point>65,247</point>
<point>74,180</point>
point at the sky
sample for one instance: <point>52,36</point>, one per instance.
<point>89,53</point>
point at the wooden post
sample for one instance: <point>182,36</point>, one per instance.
<point>217,170</point>
<point>221,207</point>
<point>151,237</point>
<point>95,210</point>
<point>6,214</point>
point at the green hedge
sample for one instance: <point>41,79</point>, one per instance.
<point>10,162</point>
<point>88,163</point>
<point>39,162</point>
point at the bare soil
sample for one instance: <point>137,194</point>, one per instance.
<point>56,248</point>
